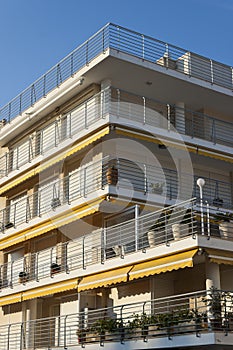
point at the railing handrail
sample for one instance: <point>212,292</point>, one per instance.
<point>226,124</point>
<point>166,43</point>
<point>170,297</point>
<point>176,107</point>
<point>31,88</point>
<point>124,223</point>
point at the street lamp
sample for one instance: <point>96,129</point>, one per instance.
<point>200,184</point>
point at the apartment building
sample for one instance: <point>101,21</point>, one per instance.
<point>116,218</point>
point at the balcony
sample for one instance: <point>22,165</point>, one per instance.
<point>126,41</point>
<point>119,107</point>
<point>173,321</point>
<point>98,179</point>
<point>140,234</point>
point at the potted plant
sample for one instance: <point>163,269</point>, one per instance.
<point>139,324</point>
<point>158,228</point>
<point>105,328</point>
<point>181,228</point>
<point>157,187</point>
<point>112,175</point>
<point>167,322</point>
<point>82,335</point>
<point>55,268</point>
<point>214,304</point>
<point>23,277</point>
<point>55,203</point>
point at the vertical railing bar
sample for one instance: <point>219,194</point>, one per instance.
<point>15,215</point>
<point>118,102</point>
<point>44,85</point>
<point>103,40</point>
<point>212,72</point>
<point>144,110</point>
<point>9,113</point>
<point>85,115</point>
<point>136,227</point>
<point>83,253</point>
<point>87,43</point>
<point>168,117</point>
<point>72,64</point>
<point>20,104</point>
<point>208,219</point>
<point>8,337</point>
<point>17,158</point>
<point>70,125</point>
<point>143,47</point>
<point>37,266</point>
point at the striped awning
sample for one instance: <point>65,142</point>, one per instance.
<point>163,264</point>
<point>57,158</point>
<point>63,219</point>
<point>104,279</point>
<point>219,256</point>
<point>50,289</point>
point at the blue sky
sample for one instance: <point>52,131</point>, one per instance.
<point>36,34</point>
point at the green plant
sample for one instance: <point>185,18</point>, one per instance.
<point>104,325</point>
<point>219,217</point>
<point>157,187</point>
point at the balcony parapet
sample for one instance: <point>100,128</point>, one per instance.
<point>144,233</point>
<point>192,315</point>
<point>146,180</point>
<point>116,106</point>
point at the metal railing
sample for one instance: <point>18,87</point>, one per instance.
<point>127,41</point>
<point>137,234</point>
<point>190,313</point>
<point>122,105</point>
<point>141,177</point>
<point>166,116</point>
<point>102,244</point>
<point>49,137</point>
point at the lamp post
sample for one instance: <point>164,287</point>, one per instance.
<point>200,184</point>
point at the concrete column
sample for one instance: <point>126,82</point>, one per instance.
<point>105,83</point>
<point>180,117</point>
<point>212,275</point>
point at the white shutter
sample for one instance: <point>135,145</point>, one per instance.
<point>48,138</point>
<point>18,210</point>
<point>61,254</point>
<point>75,185</point>
<point>20,155</point>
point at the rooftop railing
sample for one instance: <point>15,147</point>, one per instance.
<point>176,315</point>
<point>125,106</point>
<point>141,233</point>
<point>123,40</point>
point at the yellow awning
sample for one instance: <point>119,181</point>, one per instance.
<point>163,264</point>
<point>61,156</point>
<point>104,279</point>
<point>10,299</point>
<point>220,257</point>
<point>67,217</point>
<point>50,289</point>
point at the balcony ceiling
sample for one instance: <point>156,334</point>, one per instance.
<point>165,86</point>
